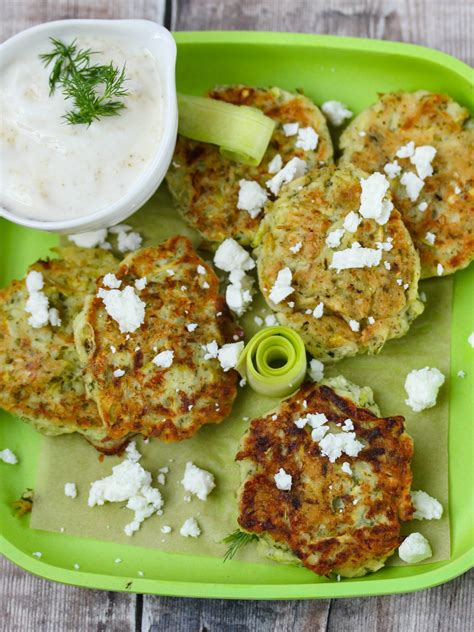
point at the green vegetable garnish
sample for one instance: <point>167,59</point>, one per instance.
<point>236,540</point>
<point>241,132</point>
<point>93,89</point>
<point>274,361</point>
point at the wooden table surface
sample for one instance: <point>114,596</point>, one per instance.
<point>28,603</point>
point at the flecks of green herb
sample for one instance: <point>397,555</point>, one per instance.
<point>236,540</point>
<point>94,89</point>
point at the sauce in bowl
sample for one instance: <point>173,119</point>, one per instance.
<point>51,170</point>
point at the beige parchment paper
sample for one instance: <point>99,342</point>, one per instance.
<point>70,459</point>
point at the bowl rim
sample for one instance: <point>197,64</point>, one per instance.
<point>147,182</point>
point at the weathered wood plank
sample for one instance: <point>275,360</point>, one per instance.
<point>20,14</point>
<point>444,24</point>
<point>212,615</point>
<point>447,607</point>
<point>31,604</point>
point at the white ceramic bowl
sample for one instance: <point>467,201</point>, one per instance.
<point>161,44</point>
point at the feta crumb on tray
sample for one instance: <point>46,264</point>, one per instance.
<point>415,548</point>
<point>7,456</point>
<point>197,481</point>
<point>422,386</point>
<point>190,528</point>
<point>426,507</point>
<point>70,490</point>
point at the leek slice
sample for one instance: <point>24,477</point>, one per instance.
<point>241,132</point>
<point>274,361</point>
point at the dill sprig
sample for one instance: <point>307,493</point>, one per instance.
<point>95,89</point>
<point>236,540</point>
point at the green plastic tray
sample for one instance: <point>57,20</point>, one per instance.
<point>350,70</point>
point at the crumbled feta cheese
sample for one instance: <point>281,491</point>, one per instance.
<point>422,159</point>
<point>296,248</point>
<point>372,202</point>
<point>384,245</point>
<point>392,169</point>
<point>282,286</point>
<point>356,257</point>
<point>125,307</point>
<point>191,327</point>
<point>362,133</point>
<point>128,482</point>
<point>294,168</point>
<point>258,321</point>
<point>53,316</point>
<point>205,285</point>
<point>370,320</point>
<point>307,139</point>
<point>34,281</point>
<point>290,129</point>
<point>170,272</point>
<point>354,325</point>
<point>457,189</point>
<point>318,310</point>
<point>211,350</point>
<point>197,481</point>
<point>165,529</point>
<point>347,425</point>
<point>252,197</point>
<point>270,320</point>
<point>119,372</point>
<point>127,239</point>
<point>231,256</point>
<point>190,528</point>
<point>336,112</point>
<point>228,355</point>
<point>422,388</point>
<point>161,478</point>
<point>406,151</point>
<point>7,456</point>
<point>140,284</point>
<point>352,221</point>
<point>439,269</point>
<point>318,433</point>
<point>333,445</point>
<point>91,239</point>
<point>201,269</point>
<point>422,206</point>
<point>415,548</point>
<point>413,185</point>
<point>283,480</point>
<point>239,293</point>
<point>316,370</point>
<point>37,554</point>
<point>399,281</point>
<point>111,281</point>
<point>461,374</point>
<point>387,265</point>
<point>333,239</point>
<point>164,359</point>
<point>430,238</point>
<point>275,164</point>
<point>346,467</point>
<point>70,490</point>
<point>37,303</point>
<point>471,339</point>
<point>426,507</point>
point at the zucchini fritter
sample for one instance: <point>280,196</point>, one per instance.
<point>40,374</point>
<point>205,185</point>
<point>382,301</point>
<point>170,402</point>
<point>335,519</point>
<point>448,194</point>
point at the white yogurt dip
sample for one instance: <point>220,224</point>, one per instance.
<point>50,170</point>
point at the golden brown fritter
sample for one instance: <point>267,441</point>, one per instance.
<point>205,185</point>
<point>170,403</point>
<point>426,119</point>
<point>305,213</point>
<point>334,522</point>
<point>40,374</point>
